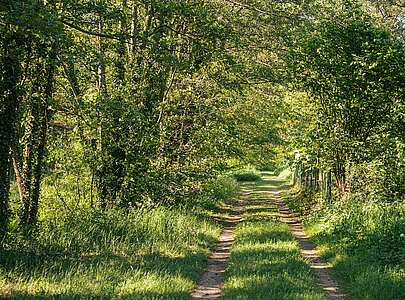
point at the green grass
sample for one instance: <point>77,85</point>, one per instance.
<point>248,173</point>
<point>361,273</point>
<point>265,262</point>
<point>361,240</point>
<point>141,254</point>
<point>77,252</point>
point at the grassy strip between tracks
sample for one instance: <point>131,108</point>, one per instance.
<point>265,262</point>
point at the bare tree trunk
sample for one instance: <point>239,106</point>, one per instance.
<point>9,98</point>
<point>340,174</point>
<point>17,173</point>
<point>329,185</point>
<point>121,57</point>
<point>70,72</point>
<point>134,32</point>
<point>43,128</point>
<point>101,85</point>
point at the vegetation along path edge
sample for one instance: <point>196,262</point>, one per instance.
<point>308,251</point>
<point>211,282</point>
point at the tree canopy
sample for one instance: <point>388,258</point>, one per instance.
<point>140,102</point>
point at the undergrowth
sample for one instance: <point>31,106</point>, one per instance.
<point>104,254</point>
<point>364,239</point>
<point>218,190</point>
<point>137,253</point>
<point>248,173</point>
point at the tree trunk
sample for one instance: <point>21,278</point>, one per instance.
<point>43,128</point>
<point>101,85</point>
<point>35,140</point>
<point>17,173</point>
<point>340,175</point>
<point>329,185</point>
<point>9,98</point>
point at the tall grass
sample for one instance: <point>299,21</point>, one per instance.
<point>139,253</point>
<point>83,253</point>
<point>126,231</point>
<point>363,237</point>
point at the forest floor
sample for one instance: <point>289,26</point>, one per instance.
<point>263,253</point>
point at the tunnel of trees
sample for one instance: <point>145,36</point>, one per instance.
<point>116,107</point>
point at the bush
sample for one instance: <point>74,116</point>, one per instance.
<point>375,227</point>
<point>219,189</point>
<point>246,174</point>
<point>223,188</point>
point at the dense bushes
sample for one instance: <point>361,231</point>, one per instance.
<point>347,140</point>
<point>248,173</point>
<point>78,228</point>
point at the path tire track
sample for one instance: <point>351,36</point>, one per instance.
<point>308,251</point>
<point>212,281</point>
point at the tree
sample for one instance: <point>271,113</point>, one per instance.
<point>353,70</point>
<point>10,71</point>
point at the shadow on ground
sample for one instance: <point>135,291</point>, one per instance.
<point>363,263</point>
<point>265,262</point>
<point>102,275</point>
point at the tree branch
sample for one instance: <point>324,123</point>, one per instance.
<point>255,9</point>
<point>93,33</point>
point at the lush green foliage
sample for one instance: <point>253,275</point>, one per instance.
<point>118,116</point>
<point>246,174</point>
<point>362,237</point>
<point>222,188</point>
<point>346,133</point>
<point>146,252</point>
<point>127,103</point>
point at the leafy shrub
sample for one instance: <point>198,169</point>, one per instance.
<point>357,223</point>
<point>216,190</point>
<point>223,187</point>
<point>376,227</point>
<point>246,174</point>
<point>302,201</point>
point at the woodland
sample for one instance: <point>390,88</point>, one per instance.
<point>126,124</point>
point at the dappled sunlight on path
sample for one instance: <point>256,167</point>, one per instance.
<point>211,282</point>
<point>265,262</point>
<point>307,247</point>
<point>263,253</point>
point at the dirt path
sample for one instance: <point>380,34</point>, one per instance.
<point>309,252</point>
<point>211,283</point>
